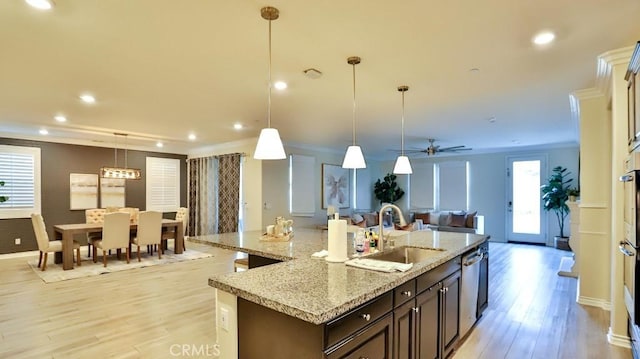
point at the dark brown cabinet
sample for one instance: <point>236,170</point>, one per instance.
<point>427,327</point>
<point>374,342</point>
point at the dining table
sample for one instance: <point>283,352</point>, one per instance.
<point>66,232</point>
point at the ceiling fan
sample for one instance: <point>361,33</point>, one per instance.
<point>433,149</point>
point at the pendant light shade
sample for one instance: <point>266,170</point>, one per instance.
<point>269,146</point>
<point>354,158</point>
<point>403,166</point>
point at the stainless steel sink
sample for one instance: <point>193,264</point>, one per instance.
<point>406,254</point>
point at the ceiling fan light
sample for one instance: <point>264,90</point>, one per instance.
<point>269,146</point>
<point>354,158</point>
<point>403,166</point>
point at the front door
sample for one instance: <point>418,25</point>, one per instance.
<point>525,219</point>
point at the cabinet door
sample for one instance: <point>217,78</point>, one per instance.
<point>483,288</point>
<point>428,323</point>
<point>404,333</point>
<point>373,342</point>
<point>451,312</point>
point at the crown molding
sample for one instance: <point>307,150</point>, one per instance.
<point>605,64</point>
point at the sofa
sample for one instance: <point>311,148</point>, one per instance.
<point>451,221</point>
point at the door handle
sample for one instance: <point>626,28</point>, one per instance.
<point>624,251</point>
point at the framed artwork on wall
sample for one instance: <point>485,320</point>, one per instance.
<point>112,193</point>
<point>83,191</point>
<point>336,189</point>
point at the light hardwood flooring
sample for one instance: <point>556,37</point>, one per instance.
<point>533,312</point>
<point>141,313</point>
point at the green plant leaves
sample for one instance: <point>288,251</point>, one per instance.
<point>388,191</point>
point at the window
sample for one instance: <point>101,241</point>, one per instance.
<point>302,185</point>
<point>163,184</point>
<point>421,187</point>
<point>363,189</point>
<point>451,186</point>
<point>20,171</point>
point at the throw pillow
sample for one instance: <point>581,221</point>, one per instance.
<point>357,218</point>
<point>457,220</point>
<point>445,219</point>
<point>423,216</point>
<point>362,224</point>
<point>470,219</point>
<point>408,227</point>
<point>434,218</point>
<point>371,218</point>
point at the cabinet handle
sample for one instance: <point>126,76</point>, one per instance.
<point>446,290</point>
<point>407,293</point>
<point>366,317</point>
<point>417,309</point>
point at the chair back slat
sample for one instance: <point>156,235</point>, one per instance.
<point>183,215</point>
<point>41,231</point>
<point>115,231</point>
<point>149,227</point>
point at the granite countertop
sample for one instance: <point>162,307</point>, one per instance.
<point>313,289</point>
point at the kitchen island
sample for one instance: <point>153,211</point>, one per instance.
<point>294,308</point>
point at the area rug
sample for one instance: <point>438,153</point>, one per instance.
<point>55,273</point>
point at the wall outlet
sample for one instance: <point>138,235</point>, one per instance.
<point>18,241</point>
<point>224,319</point>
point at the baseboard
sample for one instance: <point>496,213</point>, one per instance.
<point>594,302</point>
<point>618,340</point>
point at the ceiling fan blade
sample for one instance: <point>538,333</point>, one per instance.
<point>457,149</point>
<point>452,148</point>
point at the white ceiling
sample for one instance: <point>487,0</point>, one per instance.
<point>162,69</point>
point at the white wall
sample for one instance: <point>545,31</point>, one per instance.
<point>488,185</point>
<point>275,186</point>
<point>252,178</point>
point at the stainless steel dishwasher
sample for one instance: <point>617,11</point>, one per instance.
<point>469,291</point>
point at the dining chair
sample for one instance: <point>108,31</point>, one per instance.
<point>93,216</point>
<point>115,235</point>
<point>44,244</point>
<point>182,214</point>
<point>149,231</point>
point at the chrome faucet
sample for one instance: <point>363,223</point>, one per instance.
<point>403,222</point>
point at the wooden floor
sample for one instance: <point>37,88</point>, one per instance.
<point>533,312</point>
<point>145,313</point>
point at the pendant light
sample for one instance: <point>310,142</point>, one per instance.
<point>120,172</point>
<point>354,158</point>
<point>269,145</point>
<point>403,166</point>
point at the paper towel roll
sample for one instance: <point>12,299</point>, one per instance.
<point>337,240</point>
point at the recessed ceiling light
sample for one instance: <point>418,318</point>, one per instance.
<point>41,4</point>
<point>474,70</point>
<point>87,98</point>
<point>237,126</point>
<point>544,38</point>
<point>280,85</point>
<point>60,118</point>
<point>192,137</point>
<point>159,145</point>
<point>44,132</point>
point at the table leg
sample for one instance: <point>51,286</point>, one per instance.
<point>179,243</point>
<point>67,251</point>
<point>57,256</point>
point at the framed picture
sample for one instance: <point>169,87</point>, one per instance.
<point>336,190</point>
<point>112,192</point>
<point>83,190</point>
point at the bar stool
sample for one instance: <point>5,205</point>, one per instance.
<point>241,263</point>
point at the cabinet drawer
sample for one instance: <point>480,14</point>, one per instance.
<point>374,342</point>
<point>404,293</point>
<point>341,328</point>
<point>437,274</point>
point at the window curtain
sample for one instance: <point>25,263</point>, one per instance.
<point>202,196</point>
<point>214,194</point>
<point>228,192</point>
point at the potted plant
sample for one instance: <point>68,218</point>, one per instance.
<point>3,198</point>
<point>573,194</point>
<point>387,191</point>
<point>555,194</point>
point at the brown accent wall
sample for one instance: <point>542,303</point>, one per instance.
<point>57,162</point>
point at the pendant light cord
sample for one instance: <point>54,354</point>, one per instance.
<point>354,105</point>
<point>269,96</point>
<point>402,137</point>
